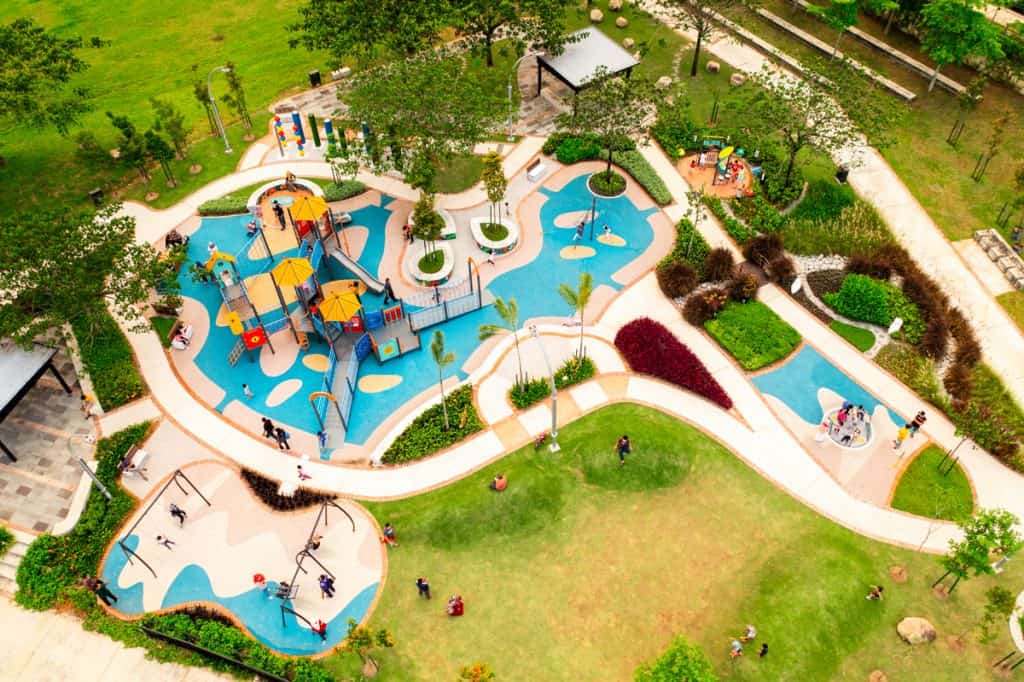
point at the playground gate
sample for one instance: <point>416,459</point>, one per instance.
<point>447,302</point>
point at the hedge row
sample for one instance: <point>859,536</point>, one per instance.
<point>634,163</point>
<point>337,191</point>
<point>650,348</point>
<point>736,229</point>
<point>426,435</point>
<point>228,204</point>
<point>572,148</point>
<point>107,358</point>
<point>573,371</point>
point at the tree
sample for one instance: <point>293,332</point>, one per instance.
<point>802,113</point>
<point>955,31</point>
<point>442,359</point>
<point>421,111</point>
<point>131,146</point>
<point>171,121</point>
<point>427,223</point>
<point>202,96</point>
<point>478,672</point>
<point>578,298</point>
<point>162,152</point>
<point>36,68</point>
<point>681,662</point>
<point>236,95</point>
<point>989,534</point>
<point>540,23</point>
<point>611,107</point>
<point>839,15</point>
<point>60,263</point>
<point>367,30</point>
<point>696,15</point>
<point>999,605</point>
<point>495,183</point>
<point>508,313</point>
<point>362,640</point>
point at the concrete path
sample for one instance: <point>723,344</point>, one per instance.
<point>52,647</point>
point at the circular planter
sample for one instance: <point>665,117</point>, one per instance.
<point>607,196</point>
<point>501,246</point>
<point>431,279</point>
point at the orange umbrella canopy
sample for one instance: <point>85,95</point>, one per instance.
<point>291,272</point>
<point>340,306</point>
<point>308,208</point>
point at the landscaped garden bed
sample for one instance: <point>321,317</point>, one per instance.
<point>753,334</point>
<point>925,490</point>
<point>607,184</point>
<point>871,300</point>
<point>107,358</point>
<point>426,435</point>
<point>570,148</point>
<point>573,371</point>
<point>862,339</point>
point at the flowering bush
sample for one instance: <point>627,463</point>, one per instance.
<point>650,348</point>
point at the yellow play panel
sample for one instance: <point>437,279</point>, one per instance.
<point>576,252</point>
<point>378,383</point>
<point>262,295</point>
<point>611,240</point>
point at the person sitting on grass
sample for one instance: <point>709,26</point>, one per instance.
<point>736,649</point>
<point>455,606</point>
<point>875,594</point>
<point>499,483</point>
<point>750,634</point>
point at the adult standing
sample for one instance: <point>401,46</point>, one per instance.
<point>389,293</point>
<point>282,438</point>
<point>279,212</point>
<point>99,586</point>
<point>423,587</point>
<point>326,586</point>
<point>919,419</point>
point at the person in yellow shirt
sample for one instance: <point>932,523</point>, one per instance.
<point>901,436</point>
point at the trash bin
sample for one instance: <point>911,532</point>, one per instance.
<point>314,78</point>
<point>97,197</point>
<point>842,174</point>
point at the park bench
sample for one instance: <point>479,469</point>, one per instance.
<point>133,462</point>
<point>536,170</point>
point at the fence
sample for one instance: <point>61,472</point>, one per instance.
<point>348,389</point>
<point>427,317</point>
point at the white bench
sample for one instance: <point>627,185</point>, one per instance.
<point>535,171</point>
<point>134,462</point>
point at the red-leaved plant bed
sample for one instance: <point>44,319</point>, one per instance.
<point>649,347</point>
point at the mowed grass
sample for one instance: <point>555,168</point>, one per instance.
<point>862,339</point>
<point>926,491</point>
<point>583,569</point>
<point>1013,304</point>
<point>153,46</point>
<point>458,174</point>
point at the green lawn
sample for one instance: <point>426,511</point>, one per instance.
<point>432,262</point>
<point>163,325</point>
<point>925,491</point>
<point>152,48</point>
<point>862,339</point>
<point>459,174</point>
<point>1013,303</point>
<point>753,334</point>
<point>583,569</point>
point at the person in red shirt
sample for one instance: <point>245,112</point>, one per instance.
<point>499,483</point>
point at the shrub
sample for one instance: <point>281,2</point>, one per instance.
<point>107,358</point>
<point>226,205</point>
<point>736,229</point>
<point>6,540</point>
<point>857,230</point>
<point>53,564</point>
<point>872,267</point>
<point>763,217</point>
<point>763,249</point>
<point>338,191</point>
<point>690,247</point>
<point>266,490</point>
<point>779,194</point>
<point>634,163</point>
<point>619,143</point>
<point>650,348</point>
<point>573,371</point>
<point>871,300</point>
<point>824,200</point>
<point>719,265</point>
<point>781,270</point>
<point>426,435</point>
<point>698,310</point>
<point>681,662</point>
<point>743,287</point>
<point>575,149</point>
<point>608,184</point>
<point>753,334</point>
<point>935,339</point>
<point>958,383</point>
<point>914,370</point>
<point>968,350</point>
<point>674,129</point>
<point>676,279</point>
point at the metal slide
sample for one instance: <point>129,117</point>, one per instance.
<point>371,282</point>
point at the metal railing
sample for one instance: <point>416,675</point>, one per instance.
<point>455,307</point>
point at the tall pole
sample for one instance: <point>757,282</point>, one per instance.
<point>554,389</point>
<point>216,111</point>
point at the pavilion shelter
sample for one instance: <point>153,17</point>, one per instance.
<point>20,369</point>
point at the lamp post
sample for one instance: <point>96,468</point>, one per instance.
<point>216,112</point>
<point>554,389</point>
<point>513,72</point>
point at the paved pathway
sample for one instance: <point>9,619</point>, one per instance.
<point>52,647</point>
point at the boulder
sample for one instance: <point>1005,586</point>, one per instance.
<point>713,67</point>
<point>914,630</point>
<point>628,43</point>
<point>737,79</point>
<point>663,83</point>
<point>343,72</point>
<point>615,5</point>
<point>621,22</point>
<point>596,16</point>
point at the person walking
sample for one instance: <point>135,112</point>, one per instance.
<point>389,293</point>
<point>279,212</point>
<point>303,476</point>
<point>247,392</point>
<point>268,428</point>
<point>177,513</point>
<point>101,590</point>
<point>326,586</point>
<point>166,542</point>
<point>389,535</point>
<point>764,650</point>
<point>901,436</point>
<point>919,419</point>
<point>282,438</point>
<point>423,587</point>
<point>623,447</point>
<point>314,542</point>
<point>321,439</point>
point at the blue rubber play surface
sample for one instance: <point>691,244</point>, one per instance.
<point>534,286</point>
<point>796,383</point>
<point>260,614</point>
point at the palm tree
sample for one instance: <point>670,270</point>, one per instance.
<point>509,314</point>
<point>443,360</point>
<point>578,299</point>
